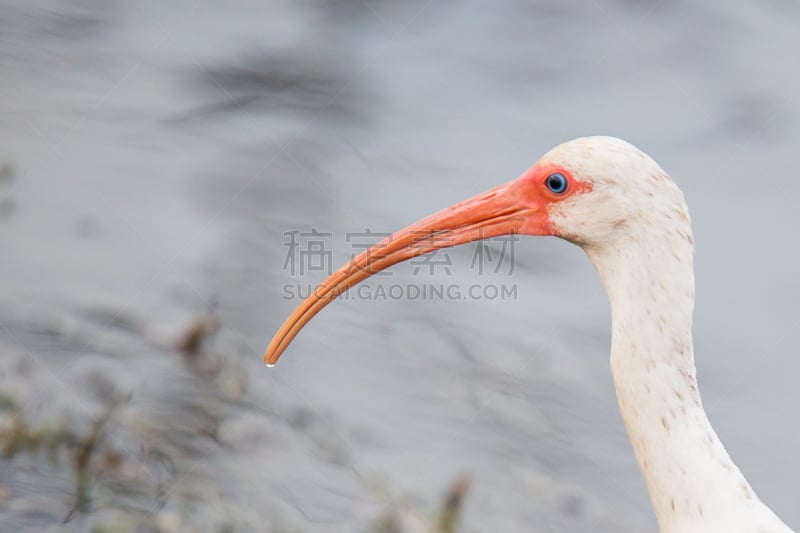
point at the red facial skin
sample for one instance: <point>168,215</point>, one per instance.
<point>521,206</point>
<point>534,191</point>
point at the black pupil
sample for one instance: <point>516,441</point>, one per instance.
<point>556,182</point>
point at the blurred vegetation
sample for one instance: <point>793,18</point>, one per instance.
<point>7,173</point>
<point>122,466</point>
<point>407,518</point>
<point>123,470</point>
<point>59,442</point>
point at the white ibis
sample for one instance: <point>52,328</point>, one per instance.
<point>630,218</point>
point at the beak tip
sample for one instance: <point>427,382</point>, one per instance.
<point>270,358</point>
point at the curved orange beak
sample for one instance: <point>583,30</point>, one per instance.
<point>507,209</point>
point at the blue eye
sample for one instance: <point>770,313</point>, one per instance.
<point>556,182</point>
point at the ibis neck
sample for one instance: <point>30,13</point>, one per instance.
<point>690,477</point>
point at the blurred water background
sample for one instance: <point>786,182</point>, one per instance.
<point>154,156</point>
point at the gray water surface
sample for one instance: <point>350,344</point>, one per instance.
<point>156,155</point>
